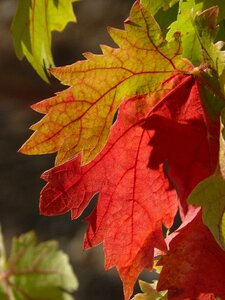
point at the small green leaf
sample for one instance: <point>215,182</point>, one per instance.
<point>206,29</point>
<point>32,28</point>
<point>150,292</point>
<point>197,23</point>
<point>210,194</point>
<point>37,271</point>
<point>155,6</point>
<point>184,25</point>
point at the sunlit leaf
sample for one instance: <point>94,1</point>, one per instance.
<point>135,195</point>
<point>193,268</point>
<point>32,30</point>
<point>79,118</point>
<point>150,292</point>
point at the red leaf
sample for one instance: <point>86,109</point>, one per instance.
<point>136,197</point>
<point>194,267</point>
<point>185,137</point>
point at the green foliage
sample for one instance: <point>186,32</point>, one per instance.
<point>32,30</point>
<point>154,6</point>
<point>35,271</point>
<point>197,24</point>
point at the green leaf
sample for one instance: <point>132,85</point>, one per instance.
<point>37,271</point>
<point>154,6</point>
<point>198,27</point>
<point>184,25</point>
<point>210,194</point>
<point>32,29</point>
<point>150,292</point>
<point>206,30</point>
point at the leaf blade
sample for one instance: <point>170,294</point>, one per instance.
<point>139,145</point>
<point>184,277</point>
<point>96,94</point>
<point>32,27</point>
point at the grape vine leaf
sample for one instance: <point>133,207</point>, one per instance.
<point>210,195</point>
<point>194,265</point>
<point>155,6</point>
<point>98,86</point>
<point>194,139</point>
<point>197,23</point>
<point>125,218</point>
<point>150,292</point>
<point>32,29</point>
<point>184,25</point>
<point>36,271</point>
<point>206,27</point>
<point>163,143</point>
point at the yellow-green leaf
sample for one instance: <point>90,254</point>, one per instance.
<point>36,272</point>
<point>155,6</point>
<point>150,292</point>
<point>32,30</point>
<point>79,118</point>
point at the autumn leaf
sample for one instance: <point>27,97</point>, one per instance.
<point>136,197</point>
<point>32,30</point>
<point>210,195</point>
<point>78,119</point>
<point>197,23</point>
<point>206,28</point>
<point>163,143</point>
<point>193,268</point>
<point>124,218</point>
<point>36,271</point>
<point>186,139</point>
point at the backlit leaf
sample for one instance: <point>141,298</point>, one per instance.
<point>36,271</point>
<point>136,197</point>
<point>149,292</point>
<point>164,141</point>
<point>206,27</point>
<point>193,268</point>
<point>191,152</point>
<point>184,25</point>
<point>210,194</point>
<point>197,23</point>
<point>32,30</point>
<point>79,118</point>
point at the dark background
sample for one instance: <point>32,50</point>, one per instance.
<point>20,182</point>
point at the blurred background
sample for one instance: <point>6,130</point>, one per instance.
<point>20,182</point>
